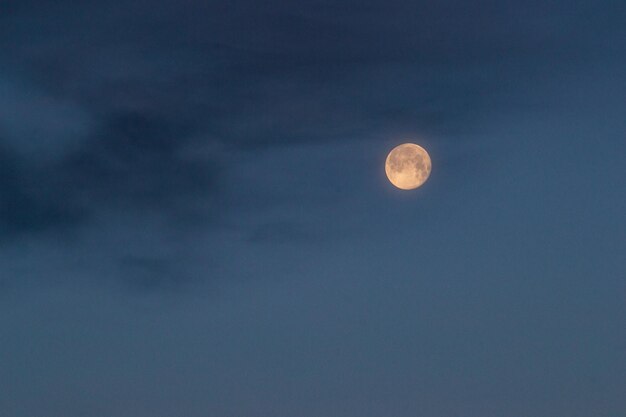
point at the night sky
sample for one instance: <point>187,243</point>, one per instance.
<point>195,219</point>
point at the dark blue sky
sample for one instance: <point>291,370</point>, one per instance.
<point>195,221</point>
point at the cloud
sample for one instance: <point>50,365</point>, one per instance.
<point>257,76</point>
<point>26,206</point>
<point>115,109</point>
<point>139,158</point>
<point>134,162</point>
<point>254,76</point>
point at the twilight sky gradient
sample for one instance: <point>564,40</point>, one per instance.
<point>195,219</point>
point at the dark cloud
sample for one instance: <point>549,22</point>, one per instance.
<point>145,84</point>
<point>26,205</point>
<point>131,108</point>
<point>133,162</point>
<point>258,75</point>
<point>138,157</point>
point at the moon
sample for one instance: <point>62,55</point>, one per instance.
<point>408,166</point>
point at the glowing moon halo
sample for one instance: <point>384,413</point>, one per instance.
<point>408,166</point>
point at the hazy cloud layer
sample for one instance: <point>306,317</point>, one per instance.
<point>108,102</point>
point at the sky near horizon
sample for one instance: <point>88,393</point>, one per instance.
<point>195,219</point>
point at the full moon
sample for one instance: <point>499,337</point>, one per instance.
<point>408,166</point>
